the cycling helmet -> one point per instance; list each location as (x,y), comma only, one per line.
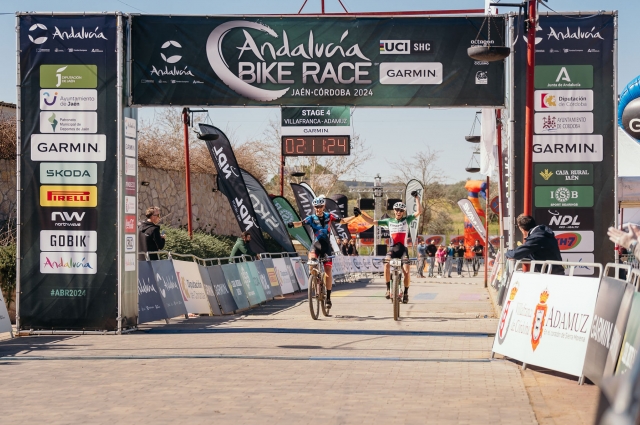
(399,206)
(318,202)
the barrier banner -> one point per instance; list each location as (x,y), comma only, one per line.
(619,331)
(276,289)
(227,302)
(283,275)
(150,306)
(292,274)
(68,281)
(301,274)
(302,61)
(167,283)
(248,284)
(208,289)
(378,264)
(193,294)
(631,342)
(262,278)
(603,339)
(255,280)
(288,214)
(231,183)
(546,320)
(235,286)
(5,322)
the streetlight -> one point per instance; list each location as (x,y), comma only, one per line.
(377,194)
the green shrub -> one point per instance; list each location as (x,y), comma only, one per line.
(8,270)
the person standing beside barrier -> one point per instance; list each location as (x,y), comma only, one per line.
(149,237)
(478,251)
(422,256)
(540,244)
(459,257)
(448,265)
(441,256)
(241,246)
(431,256)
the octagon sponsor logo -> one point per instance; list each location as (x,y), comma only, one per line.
(575,241)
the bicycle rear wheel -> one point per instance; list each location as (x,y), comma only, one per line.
(396,296)
(314,300)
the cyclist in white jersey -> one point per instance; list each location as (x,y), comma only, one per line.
(398,231)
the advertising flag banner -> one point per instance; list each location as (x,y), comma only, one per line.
(150,306)
(343,204)
(488,146)
(288,215)
(543,316)
(412,207)
(341,230)
(470,212)
(234,283)
(190,282)
(68,109)
(233,185)
(302,61)
(303,198)
(219,283)
(282,271)
(248,284)
(272,276)
(208,289)
(167,282)
(603,338)
(260,283)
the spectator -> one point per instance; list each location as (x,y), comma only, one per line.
(422,257)
(242,246)
(478,250)
(448,265)
(344,248)
(539,244)
(431,256)
(441,256)
(352,250)
(459,257)
(339,243)
(149,237)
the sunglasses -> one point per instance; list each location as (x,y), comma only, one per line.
(398,210)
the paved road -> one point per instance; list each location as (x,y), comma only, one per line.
(275,365)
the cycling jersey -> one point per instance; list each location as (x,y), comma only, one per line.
(320,224)
(398,229)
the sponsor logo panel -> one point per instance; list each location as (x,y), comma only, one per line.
(563,122)
(130,147)
(130,205)
(69,76)
(68,173)
(557,148)
(70,219)
(563,174)
(68,122)
(68,262)
(130,186)
(129,166)
(423,73)
(68,196)
(130,225)
(563,100)
(68,100)
(129,243)
(564,77)
(576,241)
(405,47)
(561,196)
(129,262)
(130,127)
(566,218)
(68,240)
(72,147)
(582,257)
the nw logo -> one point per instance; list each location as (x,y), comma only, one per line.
(546,174)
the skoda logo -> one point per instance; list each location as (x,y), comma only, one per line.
(38,40)
(171,59)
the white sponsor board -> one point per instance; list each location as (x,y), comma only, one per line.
(575,241)
(563,122)
(5,322)
(130,205)
(68,172)
(68,100)
(298,269)
(546,320)
(68,147)
(563,100)
(130,243)
(283,275)
(191,286)
(316,131)
(68,263)
(69,240)
(68,122)
(129,166)
(129,262)
(130,147)
(558,148)
(579,258)
(130,127)
(424,73)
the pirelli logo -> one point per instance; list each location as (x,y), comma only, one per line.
(68,196)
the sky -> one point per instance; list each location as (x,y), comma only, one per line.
(383,129)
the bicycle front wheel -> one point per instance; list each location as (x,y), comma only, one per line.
(396,297)
(314,300)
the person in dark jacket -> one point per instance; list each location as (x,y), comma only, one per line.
(539,244)
(242,246)
(431,256)
(149,237)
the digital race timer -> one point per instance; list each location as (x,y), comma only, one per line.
(316,145)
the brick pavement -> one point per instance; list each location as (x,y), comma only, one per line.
(431,367)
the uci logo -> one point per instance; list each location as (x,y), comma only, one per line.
(38,40)
(395,47)
(171,59)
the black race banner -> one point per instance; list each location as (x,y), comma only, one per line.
(340,230)
(219,283)
(303,199)
(208,289)
(234,283)
(232,184)
(150,305)
(343,203)
(68,173)
(574,126)
(167,283)
(603,338)
(240,61)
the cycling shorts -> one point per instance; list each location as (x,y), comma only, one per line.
(398,250)
(323,247)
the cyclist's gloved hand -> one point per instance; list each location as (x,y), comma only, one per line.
(356,211)
(290,225)
(414,193)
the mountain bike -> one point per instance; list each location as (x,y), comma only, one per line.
(317,292)
(396,287)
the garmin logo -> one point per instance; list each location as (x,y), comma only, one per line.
(72,148)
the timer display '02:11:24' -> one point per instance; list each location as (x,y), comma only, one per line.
(315,145)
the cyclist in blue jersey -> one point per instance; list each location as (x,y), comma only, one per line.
(319,223)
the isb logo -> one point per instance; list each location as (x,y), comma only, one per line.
(405,47)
